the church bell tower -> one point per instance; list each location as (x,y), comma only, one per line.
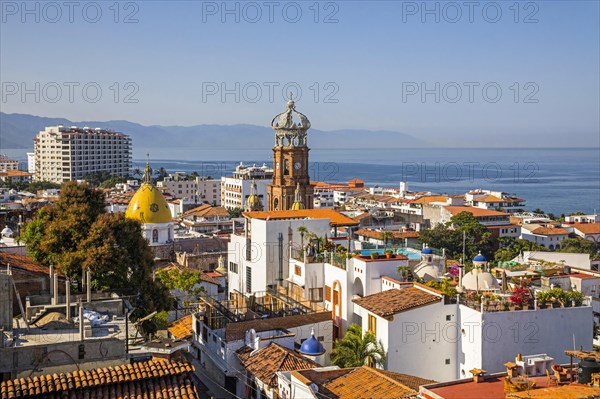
(290,161)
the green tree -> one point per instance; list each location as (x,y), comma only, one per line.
(356,349)
(450,236)
(41,185)
(578,245)
(235,212)
(386,235)
(112,181)
(77,232)
(510,248)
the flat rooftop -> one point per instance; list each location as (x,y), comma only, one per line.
(491,388)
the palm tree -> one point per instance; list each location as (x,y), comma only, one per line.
(385,236)
(136,172)
(356,349)
(302,230)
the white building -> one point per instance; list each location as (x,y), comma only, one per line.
(547,236)
(235,189)
(254,254)
(221,331)
(194,190)
(71,153)
(488,199)
(426,336)
(31,162)
(8,164)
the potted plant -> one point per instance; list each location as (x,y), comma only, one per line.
(389,254)
(374,255)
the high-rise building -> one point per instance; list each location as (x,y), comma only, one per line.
(291,188)
(71,153)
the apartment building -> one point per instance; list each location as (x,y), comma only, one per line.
(199,189)
(235,189)
(71,153)
(8,164)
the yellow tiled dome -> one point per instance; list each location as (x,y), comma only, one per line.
(148,205)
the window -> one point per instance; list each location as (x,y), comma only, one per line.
(447,361)
(448,317)
(154,235)
(248,279)
(298,270)
(372,324)
(233,267)
(328,293)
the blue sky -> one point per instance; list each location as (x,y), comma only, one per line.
(373,57)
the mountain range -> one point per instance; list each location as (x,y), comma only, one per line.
(19,130)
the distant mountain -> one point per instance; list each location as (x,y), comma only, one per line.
(18,131)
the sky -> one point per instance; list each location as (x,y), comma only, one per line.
(453,73)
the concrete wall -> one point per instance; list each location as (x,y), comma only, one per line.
(549,331)
(18,359)
(419,341)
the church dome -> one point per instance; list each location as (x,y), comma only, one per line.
(427,251)
(148,205)
(427,272)
(298,204)
(312,347)
(480,280)
(285,120)
(479,258)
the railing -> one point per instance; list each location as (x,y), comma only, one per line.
(505,304)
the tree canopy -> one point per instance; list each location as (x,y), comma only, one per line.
(77,233)
(450,236)
(578,245)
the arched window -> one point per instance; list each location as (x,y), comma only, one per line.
(154,235)
(286,167)
(276,204)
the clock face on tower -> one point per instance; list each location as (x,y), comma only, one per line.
(297,165)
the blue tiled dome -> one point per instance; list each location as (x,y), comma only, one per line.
(479,258)
(427,251)
(312,347)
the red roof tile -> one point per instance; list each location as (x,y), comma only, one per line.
(266,362)
(390,302)
(153,378)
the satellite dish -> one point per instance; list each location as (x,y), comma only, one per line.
(314,387)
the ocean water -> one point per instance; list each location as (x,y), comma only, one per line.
(557,180)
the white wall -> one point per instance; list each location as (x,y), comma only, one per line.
(418,341)
(548,331)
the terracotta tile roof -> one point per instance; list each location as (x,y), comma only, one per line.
(550,231)
(587,228)
(410,381)
(181,328)
(207,278)
(335,217)
(235,331)
(14,172)
(362,216)
(206,210)
(477,212)
(266,362)
(429,199)
(22,262)
(152,379)
(377,234)
(573,391)
(388,303)
(367,383)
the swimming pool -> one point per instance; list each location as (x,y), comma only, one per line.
(412,254)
